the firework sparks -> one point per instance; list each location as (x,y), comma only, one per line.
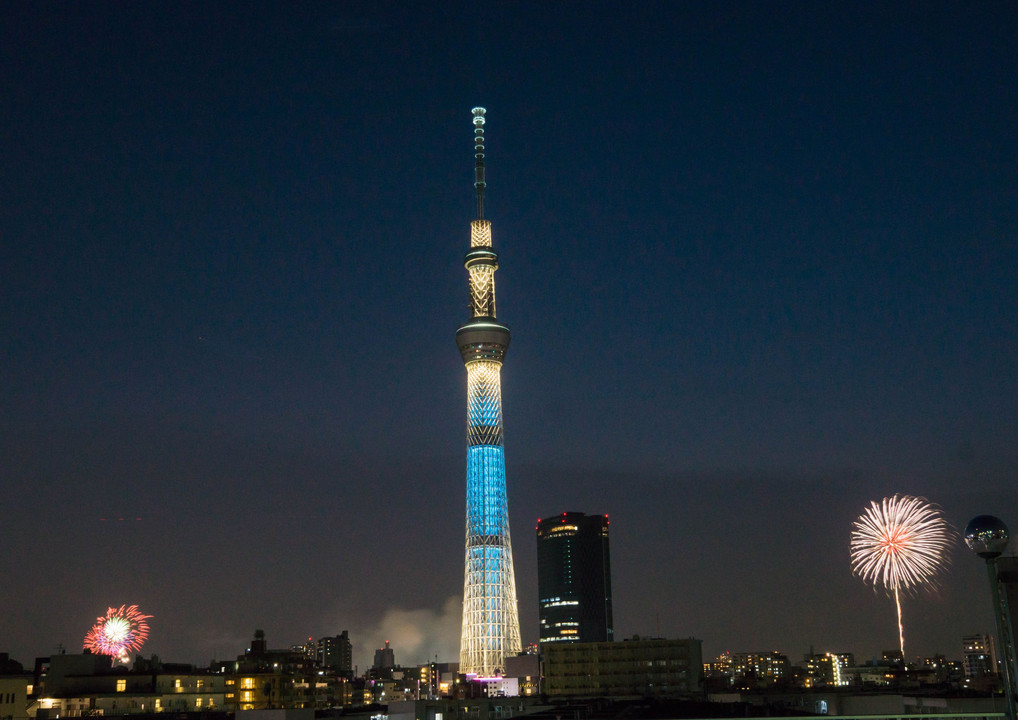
(900,544)
(120,632)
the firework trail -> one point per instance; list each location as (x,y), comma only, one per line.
(120,632)
(900,544)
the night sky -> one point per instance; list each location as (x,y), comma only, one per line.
(759,262)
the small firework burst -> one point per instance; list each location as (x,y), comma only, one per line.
(120,632)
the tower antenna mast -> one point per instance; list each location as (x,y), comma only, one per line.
(479,159)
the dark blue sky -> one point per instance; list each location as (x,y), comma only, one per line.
(759,261)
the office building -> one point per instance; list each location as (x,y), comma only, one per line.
(385,658)
(574,579)
(647,667)
(336,654)
(980,656)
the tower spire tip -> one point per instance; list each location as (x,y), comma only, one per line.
(479,113)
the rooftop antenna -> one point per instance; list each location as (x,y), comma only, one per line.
(479,157)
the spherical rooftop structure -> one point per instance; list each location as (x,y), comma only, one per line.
(986,536)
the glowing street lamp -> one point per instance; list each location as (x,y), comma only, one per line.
(987,537)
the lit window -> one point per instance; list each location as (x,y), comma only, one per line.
(121,685)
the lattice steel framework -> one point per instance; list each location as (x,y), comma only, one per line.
(491,625)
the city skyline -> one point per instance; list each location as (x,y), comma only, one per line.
(763,272)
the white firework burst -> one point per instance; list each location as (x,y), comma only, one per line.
(900,544)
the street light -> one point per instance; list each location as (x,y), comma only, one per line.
(987,537)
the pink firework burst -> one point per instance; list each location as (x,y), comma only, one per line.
(121,631)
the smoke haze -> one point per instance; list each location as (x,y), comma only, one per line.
(416,636)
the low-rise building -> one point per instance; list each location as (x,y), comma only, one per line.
(86,684)
(637,667)
(14,692)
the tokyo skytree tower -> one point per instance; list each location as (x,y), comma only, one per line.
(491,624)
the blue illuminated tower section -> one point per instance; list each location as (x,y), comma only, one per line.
(491,624)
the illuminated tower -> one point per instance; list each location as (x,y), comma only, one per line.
(491,624)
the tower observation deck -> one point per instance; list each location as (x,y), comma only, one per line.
(491,625)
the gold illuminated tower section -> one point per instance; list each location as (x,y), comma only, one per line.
(491,624)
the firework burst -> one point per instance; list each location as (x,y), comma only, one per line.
(900,544)
(120,632)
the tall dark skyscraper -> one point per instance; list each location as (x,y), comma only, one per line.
(574,583)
